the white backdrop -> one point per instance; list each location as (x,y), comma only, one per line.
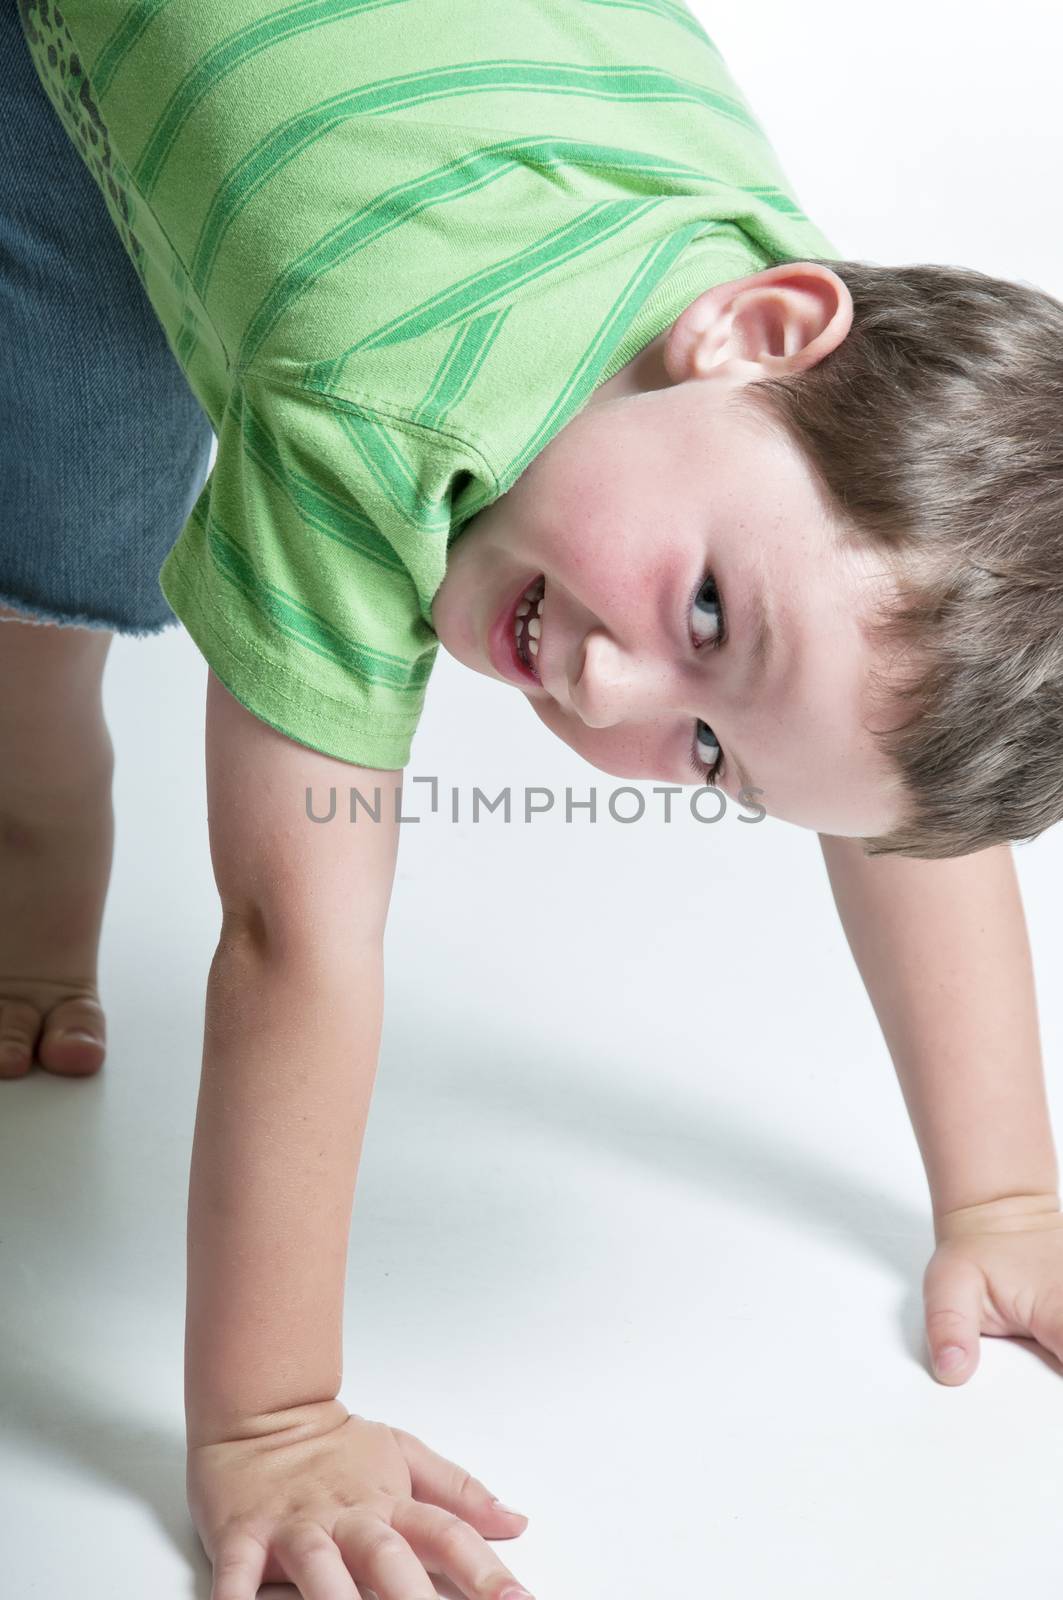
(640,1223)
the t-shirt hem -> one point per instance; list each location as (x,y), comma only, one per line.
(243,666)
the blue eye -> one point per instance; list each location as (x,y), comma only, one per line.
(708,752)
(706,761)
(708,599)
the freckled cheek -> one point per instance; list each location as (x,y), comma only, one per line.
(579,523)
(611,563)
(607,565)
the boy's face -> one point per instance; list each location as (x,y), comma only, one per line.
(662,516)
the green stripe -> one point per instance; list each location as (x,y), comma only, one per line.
(387,212)
(392,473)
(512,273)
(356,233)
(262,34)
(633,84)
(298,133)
(777,200)
(667,10)
(468,352)
(339,519)
(122,40)
(584,377)
(308,627)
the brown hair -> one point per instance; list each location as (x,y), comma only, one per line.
(936,429)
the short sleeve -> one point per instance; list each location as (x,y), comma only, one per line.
(306,570)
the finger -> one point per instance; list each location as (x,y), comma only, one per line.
(238,1568)
(447,1544)
(1046,1321)
(311,1560)
(953,1291)
(442,1482)
(380,1557)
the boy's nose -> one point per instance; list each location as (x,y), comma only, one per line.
(621,685)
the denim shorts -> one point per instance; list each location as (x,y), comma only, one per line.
(103,446)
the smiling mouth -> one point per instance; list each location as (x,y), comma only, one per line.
(527,623)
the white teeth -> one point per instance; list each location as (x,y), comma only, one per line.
(529,626)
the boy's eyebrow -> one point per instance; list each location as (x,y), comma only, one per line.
(761,654)
(762,646)
(745,781)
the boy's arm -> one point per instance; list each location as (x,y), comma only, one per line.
(284,1484)
(943,951)
(293,1016)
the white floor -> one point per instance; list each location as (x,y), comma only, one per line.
(640,1224)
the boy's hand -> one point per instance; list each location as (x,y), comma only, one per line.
(326,1500)
(997,1269)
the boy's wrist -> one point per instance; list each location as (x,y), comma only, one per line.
(309,1418)
(1003,1214)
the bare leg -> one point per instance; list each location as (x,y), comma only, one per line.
(56,844)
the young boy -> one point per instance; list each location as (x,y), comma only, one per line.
(513,337)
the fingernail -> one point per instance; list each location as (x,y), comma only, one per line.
(509,1513)
(76,1033)
(950,1358)
(515,1594)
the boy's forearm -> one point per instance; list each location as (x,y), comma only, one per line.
(290,1053)
(943,950)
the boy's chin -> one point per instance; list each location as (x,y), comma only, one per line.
(465,658)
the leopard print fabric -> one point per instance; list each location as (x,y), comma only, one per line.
(60,69)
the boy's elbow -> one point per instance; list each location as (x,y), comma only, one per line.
(296,933)
(291,906)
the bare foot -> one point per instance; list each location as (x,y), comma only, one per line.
(55,863)
(56,842)
(58,1024)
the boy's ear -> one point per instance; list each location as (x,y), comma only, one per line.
(781,320)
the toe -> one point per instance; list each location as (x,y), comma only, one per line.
(73,1041)
(20,1024)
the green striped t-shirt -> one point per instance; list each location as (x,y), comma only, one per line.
(395,246)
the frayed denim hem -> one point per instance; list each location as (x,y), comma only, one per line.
(80,619)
